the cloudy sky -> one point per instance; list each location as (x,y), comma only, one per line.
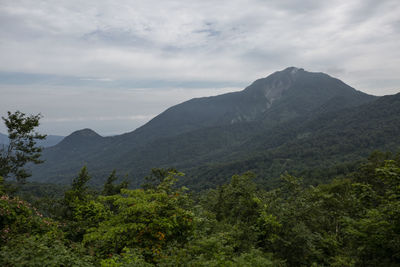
(111,65)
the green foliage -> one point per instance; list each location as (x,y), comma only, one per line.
(236,207)
(109,188)
(81,209)
(2,191)
(236,201)
(350,221)
(147,219)
(35,250)
(76,195)
(156,177)
(45,197)
(19,217)
(22,147)
(129,257)
(216,251)
(375,236)
(79,185)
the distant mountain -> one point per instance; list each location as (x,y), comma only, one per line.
(80,138)
(203,132)
(51,140)
(3,139)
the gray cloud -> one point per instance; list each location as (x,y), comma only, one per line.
(159,46)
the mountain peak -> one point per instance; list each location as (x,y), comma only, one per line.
(85,133)
(277,83)
(273,86)
(81,137)
(292,70)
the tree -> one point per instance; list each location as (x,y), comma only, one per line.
(110,188)
(79,184)
(79,192)
(22,147)
(80,209)
(149,221)
(156,177)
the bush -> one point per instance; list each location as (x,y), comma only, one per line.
(25,250)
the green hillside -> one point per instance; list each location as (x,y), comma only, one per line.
(331,143)
(212,132)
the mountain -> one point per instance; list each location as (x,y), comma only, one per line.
(326,145)
(281,96)
(206,131)
(3,139)
(51,140)
(79,138)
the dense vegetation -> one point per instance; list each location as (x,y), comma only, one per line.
(351,221)
(319,148)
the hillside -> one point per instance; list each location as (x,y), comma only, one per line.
(281,96)
(330,143)
(207,131)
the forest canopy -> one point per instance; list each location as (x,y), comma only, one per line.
(351,221)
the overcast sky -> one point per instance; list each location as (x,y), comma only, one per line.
(111,65)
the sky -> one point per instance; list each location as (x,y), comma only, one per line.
(112,65)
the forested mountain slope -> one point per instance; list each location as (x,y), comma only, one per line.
(206,131)
(328,144)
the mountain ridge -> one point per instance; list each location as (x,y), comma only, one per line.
(245,105)
(202,129)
